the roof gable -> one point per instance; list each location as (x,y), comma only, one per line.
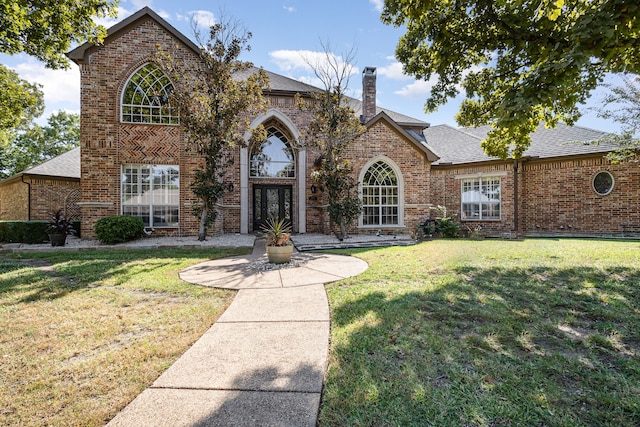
(79,54)
(66,165)
(382,116)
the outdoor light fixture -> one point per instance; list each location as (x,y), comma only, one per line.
(313,188)
(230,187)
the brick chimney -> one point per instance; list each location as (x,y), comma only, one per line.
(368,93)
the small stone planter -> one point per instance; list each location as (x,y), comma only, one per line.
(279,254)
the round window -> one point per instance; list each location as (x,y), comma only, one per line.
(603,183)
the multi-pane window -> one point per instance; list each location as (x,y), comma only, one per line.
(380,200)
(146,96)
(151,192)
(481,198)
(273,158)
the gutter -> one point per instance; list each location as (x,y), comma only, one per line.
(28,198)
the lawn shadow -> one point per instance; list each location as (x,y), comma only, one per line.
(494,346)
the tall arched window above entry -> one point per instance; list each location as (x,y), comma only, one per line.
(380,196)
(145,97)
(273,158)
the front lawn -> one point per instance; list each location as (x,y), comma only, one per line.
(487,333)
(83,333)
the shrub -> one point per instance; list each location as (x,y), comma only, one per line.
(445,223)
(31,232)
(119,229)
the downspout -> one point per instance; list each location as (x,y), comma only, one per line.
(28,198)
(515,196)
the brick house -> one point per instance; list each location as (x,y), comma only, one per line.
(31,194)
(134,159)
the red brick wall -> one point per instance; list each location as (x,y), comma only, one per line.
(446,190)
(47,195)
(558,197)
(14,201)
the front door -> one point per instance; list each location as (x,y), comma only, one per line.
(271,201)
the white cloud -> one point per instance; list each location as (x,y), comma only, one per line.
(289,9)
(110,22)
(417,89)
(393,71)
(308,60)
(139,4)
(58,86)
(203,18)
(377,4)
(164,14)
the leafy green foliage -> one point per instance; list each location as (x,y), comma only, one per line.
(277,232)
(519,62)
(118,229)
(46,29)
(20,102)
(333,128)
(36,144)
(216,104)
(31,232)
(622,104)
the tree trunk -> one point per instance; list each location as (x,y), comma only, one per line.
(202,229)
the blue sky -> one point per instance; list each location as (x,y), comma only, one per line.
(284,31)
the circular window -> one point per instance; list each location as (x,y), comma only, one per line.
(603,183)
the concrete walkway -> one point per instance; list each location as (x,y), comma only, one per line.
(263,362)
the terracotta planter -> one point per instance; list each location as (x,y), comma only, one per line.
(279,254)
(58,239)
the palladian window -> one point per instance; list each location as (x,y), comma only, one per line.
(273,158)
(145,97)
(380,200)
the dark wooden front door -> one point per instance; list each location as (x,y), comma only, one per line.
(271,201)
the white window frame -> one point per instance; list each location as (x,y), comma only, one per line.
(155,113)
(481,182)
(400,194)
(149,196)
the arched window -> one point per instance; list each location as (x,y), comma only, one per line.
(273,158)
(380,196)
(145,97)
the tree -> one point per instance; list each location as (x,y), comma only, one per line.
(36,144)
(520,62)
(216,99)
(20,102)
(333,128)
(622,104)
(46,29)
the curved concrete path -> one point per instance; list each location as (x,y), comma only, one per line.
(263,362)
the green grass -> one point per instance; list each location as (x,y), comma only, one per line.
(487,333)
(80,341)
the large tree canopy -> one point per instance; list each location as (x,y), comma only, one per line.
(20,102)
(46,29)
(36,144)
(520,62)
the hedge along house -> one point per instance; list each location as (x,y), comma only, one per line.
(33,193)
(134,159)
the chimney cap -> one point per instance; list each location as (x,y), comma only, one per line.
(369,70)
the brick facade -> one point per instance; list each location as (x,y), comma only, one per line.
(552,196)
(32,198)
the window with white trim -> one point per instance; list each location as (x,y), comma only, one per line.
(145,98)
(151,192)
(380,196)
(480,198)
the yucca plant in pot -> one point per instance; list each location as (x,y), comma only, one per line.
(59,227)
(279,246)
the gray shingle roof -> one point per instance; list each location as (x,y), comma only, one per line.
(66,165)
(462,145)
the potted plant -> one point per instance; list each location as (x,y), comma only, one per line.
(279,246)
(59,227)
